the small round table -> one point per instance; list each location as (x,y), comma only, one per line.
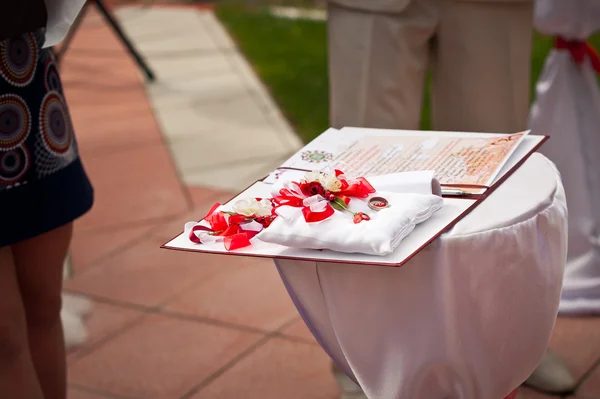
(469,317)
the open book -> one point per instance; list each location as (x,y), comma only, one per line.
(464,163)
(470,166)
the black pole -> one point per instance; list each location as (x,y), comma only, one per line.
(116,28)
(132,50)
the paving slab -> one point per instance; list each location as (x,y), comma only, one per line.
(247,292)
(275,371)
(160,358)
(212,108)
(232,176)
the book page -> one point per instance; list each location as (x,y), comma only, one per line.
(459,159)
(456,160)
(320,152)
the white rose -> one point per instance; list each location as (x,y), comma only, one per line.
(313,176)
(253,207)
(331,183)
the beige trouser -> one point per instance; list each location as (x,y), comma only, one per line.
(478,52)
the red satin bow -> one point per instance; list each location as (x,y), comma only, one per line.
(313,217)
(234,237)
(579,50)
(359,187)
(286,198)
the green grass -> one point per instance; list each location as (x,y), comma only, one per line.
(291,59)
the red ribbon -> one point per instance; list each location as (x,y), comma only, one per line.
(212,210)
(313,217)
(359,188)
(239,240)
(344,198)
(234,237)
(579,50)
(288,199)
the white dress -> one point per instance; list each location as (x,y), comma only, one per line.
(61,15)
(567,108)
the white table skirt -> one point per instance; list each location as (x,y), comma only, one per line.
(469,317)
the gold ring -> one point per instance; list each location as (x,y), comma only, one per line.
(378,203)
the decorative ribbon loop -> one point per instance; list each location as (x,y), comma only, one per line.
(314,217)
(318,195)
(359,188)
(314,208)
(579,50)
(234,230)
(315,193)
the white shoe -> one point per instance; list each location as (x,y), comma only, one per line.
(74,309)
(552,376)
(76,304)
(348,387)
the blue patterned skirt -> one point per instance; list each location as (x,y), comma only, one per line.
(43,184)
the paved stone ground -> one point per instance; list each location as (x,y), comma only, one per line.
(168,325)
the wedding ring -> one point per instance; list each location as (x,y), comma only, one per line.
(378,203)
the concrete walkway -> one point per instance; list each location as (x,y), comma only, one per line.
(217,118)
(169,325)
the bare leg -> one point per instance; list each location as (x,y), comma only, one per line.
(17,374)
(39,263)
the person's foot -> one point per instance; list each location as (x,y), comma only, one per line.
(551,376)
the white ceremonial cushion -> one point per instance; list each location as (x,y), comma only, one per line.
(379,236)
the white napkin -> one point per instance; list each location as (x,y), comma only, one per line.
(379,236)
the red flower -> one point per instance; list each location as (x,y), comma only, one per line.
(237,219)
(359,217)
(266,221)
(312,188)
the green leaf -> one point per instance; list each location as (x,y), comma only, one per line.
(339,204)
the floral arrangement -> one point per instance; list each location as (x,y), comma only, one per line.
(319,194)
(236,228)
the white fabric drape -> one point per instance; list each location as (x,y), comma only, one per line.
(567,108)
(469,317)
(61,15)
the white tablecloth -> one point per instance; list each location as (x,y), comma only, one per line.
(469,317)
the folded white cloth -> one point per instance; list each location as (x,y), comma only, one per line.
(379,236)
